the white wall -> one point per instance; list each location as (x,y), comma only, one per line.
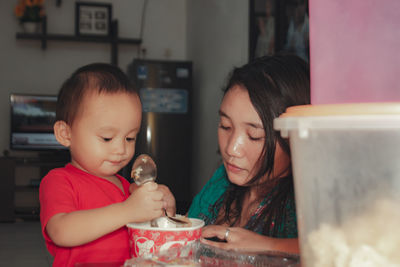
(26,68)
(217,41)
(211,33)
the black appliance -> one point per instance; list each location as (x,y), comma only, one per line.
(32,119)
(166,130)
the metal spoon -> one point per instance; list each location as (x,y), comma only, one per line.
(144,170)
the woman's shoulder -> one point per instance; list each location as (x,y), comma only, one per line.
(219,178)
(216,185)
(210,193)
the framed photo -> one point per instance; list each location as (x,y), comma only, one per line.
(279,26)
(92,19)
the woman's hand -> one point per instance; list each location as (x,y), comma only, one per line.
(242,239)
(232,238)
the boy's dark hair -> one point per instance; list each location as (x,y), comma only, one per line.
(96,77)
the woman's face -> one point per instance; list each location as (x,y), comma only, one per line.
(240,135)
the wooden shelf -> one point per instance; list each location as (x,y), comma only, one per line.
(112,39)
(19,195)
(27,213)
(40,162)
(73,38)
(26,188)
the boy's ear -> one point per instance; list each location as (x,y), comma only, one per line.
(62,132)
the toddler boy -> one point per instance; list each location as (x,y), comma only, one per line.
(86,204)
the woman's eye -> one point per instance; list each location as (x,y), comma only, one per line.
(106,139)
(256,138)
(130,139)
(224,127)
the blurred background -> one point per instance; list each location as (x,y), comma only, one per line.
(211,35)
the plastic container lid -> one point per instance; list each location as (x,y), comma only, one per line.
(339,116)
(342,109)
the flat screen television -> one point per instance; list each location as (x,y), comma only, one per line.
(32,119)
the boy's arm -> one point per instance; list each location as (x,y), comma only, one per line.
(83,226)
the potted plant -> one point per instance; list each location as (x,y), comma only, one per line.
(30,14)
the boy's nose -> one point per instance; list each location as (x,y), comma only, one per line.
(119,147)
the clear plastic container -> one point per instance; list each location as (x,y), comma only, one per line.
(346,167)
(199,254)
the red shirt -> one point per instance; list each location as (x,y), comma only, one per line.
(70,189)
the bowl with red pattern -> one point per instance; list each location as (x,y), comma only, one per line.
(145,239)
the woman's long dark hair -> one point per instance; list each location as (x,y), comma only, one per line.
(274,83)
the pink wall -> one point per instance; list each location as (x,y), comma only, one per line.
(354,51)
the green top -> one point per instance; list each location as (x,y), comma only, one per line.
(203,207)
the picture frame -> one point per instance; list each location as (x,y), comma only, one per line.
(278,26)
(93,19)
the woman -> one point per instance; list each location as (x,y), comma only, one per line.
(249,201)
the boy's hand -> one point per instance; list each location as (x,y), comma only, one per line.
(169,200)
(145,203)
(133,187)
